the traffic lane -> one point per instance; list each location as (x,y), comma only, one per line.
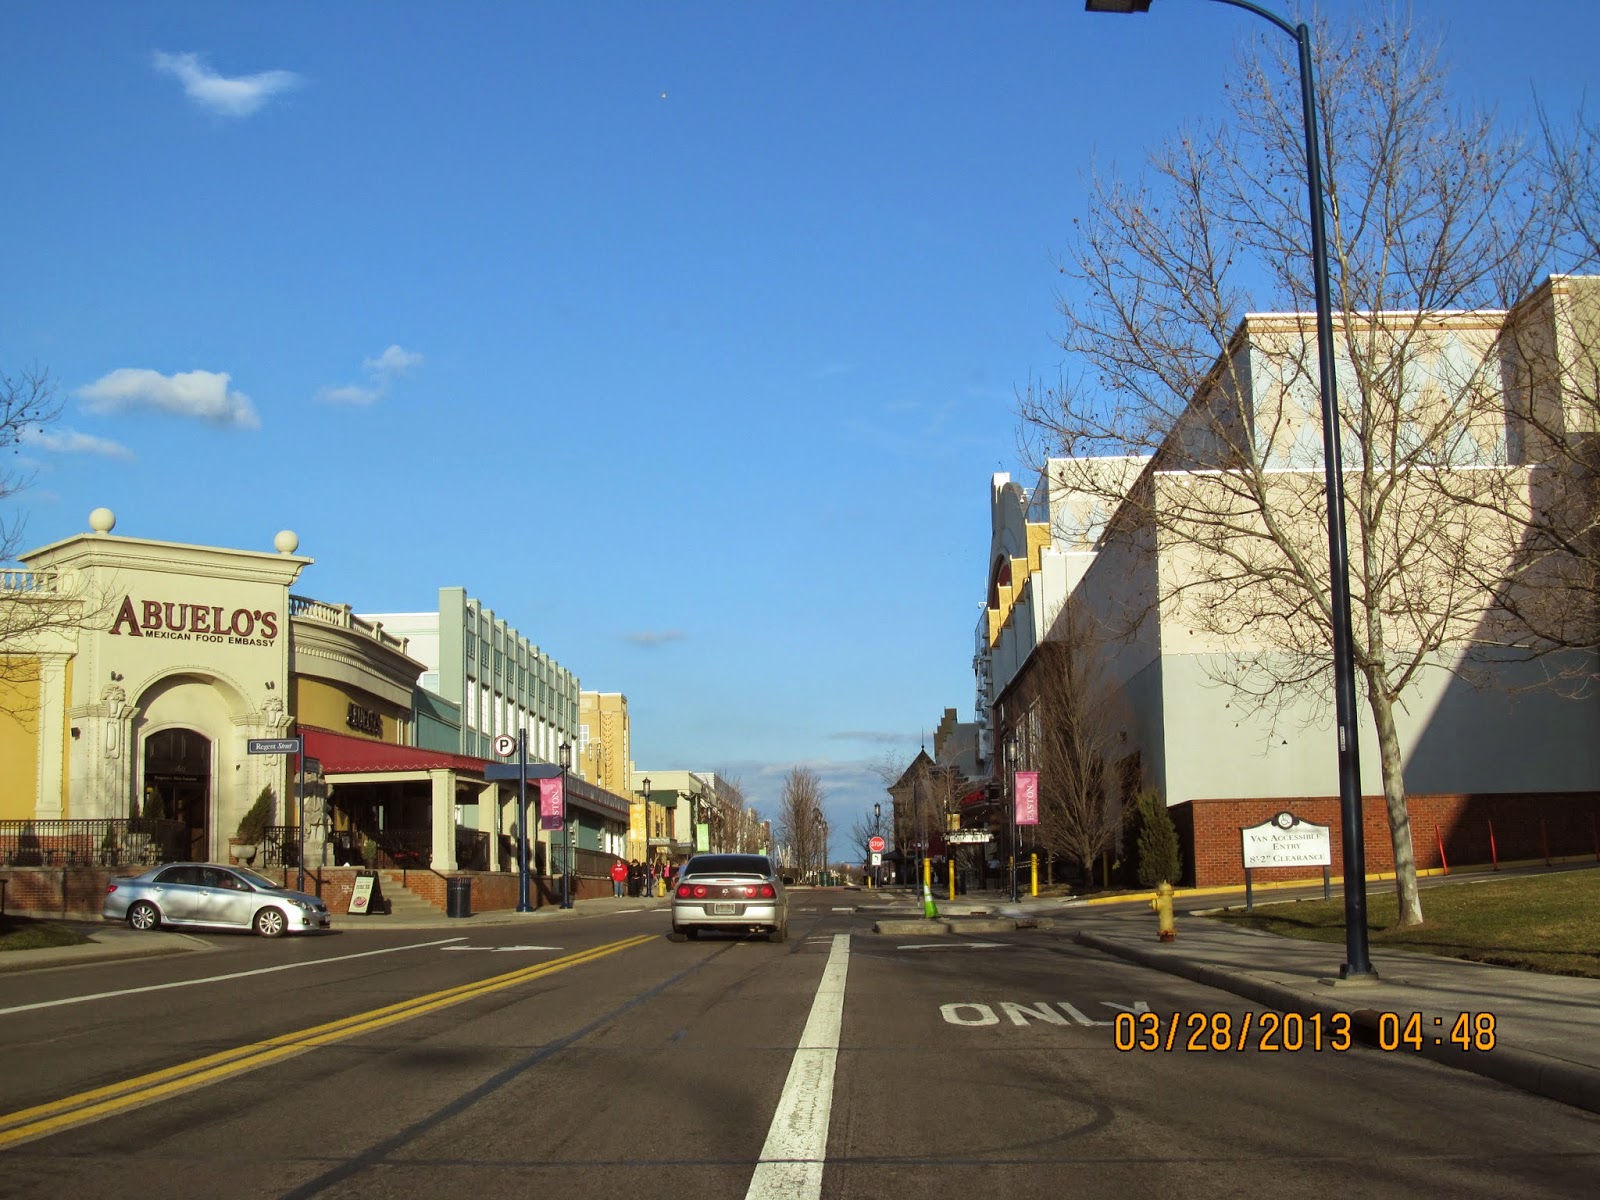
(971,1067)
(143,1015)
(667,1056)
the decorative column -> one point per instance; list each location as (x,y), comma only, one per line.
(489,820)
(444,819)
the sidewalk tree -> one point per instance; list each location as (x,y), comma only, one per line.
(1431,208)
(800,817)
(1159,859)
(1075,740)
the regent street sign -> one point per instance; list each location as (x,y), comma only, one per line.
(196,622)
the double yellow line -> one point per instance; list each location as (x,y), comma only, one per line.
(44,1119)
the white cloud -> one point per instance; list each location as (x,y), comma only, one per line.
(203,395)
(394,361)
(381,372)
(69,441)
(238,97)
(352,393)
(649,639)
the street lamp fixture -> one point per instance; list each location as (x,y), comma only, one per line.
(567,858)
(1357,962)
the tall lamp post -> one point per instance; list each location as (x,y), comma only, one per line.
(1011,785)
(877,831)
(571,823)
(646,782)
(1357,962)
(524,905)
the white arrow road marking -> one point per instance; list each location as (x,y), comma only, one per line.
(159,987)
(956,946)
(846,908)
(797,1141)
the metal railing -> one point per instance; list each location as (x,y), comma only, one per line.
(95,842)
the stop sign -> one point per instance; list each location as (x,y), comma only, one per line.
(875,845)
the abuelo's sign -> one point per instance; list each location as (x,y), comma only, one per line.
(196,622)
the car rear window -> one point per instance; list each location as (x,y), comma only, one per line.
(728,864)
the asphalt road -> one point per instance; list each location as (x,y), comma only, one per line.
(601,1059)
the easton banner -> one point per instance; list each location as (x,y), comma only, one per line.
(552,804)
(1027,794)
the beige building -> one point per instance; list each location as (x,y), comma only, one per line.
(604,758)
(1199,651)
(167,661)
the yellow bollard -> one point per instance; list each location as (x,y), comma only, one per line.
(1035,859)
(1162,903)
(929,908)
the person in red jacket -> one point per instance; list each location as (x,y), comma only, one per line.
(619,878)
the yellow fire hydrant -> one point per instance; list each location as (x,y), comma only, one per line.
(1162,903)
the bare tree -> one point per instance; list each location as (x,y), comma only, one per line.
(800,818)
(1074,721)
(1431,210)
(732,806)
(34,605)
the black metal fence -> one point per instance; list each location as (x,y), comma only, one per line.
(97,842)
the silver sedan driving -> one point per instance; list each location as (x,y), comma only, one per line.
(738,892)
(208,895)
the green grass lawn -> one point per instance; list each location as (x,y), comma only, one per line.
(24,933)
(1548,923)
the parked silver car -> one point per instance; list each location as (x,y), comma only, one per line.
(738,892)
(212,896)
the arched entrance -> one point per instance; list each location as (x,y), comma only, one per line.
(177,784)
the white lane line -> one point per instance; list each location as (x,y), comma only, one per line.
(797,1141)
(955,946)
(161,987)
(502,949)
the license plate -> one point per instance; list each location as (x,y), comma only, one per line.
(723,910)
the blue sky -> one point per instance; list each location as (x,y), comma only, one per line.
(685,335)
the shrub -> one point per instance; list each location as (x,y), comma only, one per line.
(253,825)
(1159,861)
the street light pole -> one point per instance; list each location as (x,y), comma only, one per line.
(1357,962)
(877,831)
(646,782)
(1011,784)
(523,905)
(570,823)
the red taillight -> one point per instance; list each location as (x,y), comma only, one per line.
(699,891)
(110,887)
(683,891)
(767,892)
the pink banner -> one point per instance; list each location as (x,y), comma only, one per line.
(1027,797)
(552,804)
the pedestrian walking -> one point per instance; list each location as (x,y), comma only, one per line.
(619,878)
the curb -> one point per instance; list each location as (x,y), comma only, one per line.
(1541,1074)
(941,925)
(86,953)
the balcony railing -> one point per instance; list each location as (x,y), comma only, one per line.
(342,617)
(101,842)
(21,579)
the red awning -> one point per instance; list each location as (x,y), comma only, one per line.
(341,754)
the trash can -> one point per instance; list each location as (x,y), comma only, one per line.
(458,897)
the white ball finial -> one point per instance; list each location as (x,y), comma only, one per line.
(102,520)
(286,542)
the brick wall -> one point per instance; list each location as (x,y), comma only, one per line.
(1525,827)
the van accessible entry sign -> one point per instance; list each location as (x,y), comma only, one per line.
(1285,841)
